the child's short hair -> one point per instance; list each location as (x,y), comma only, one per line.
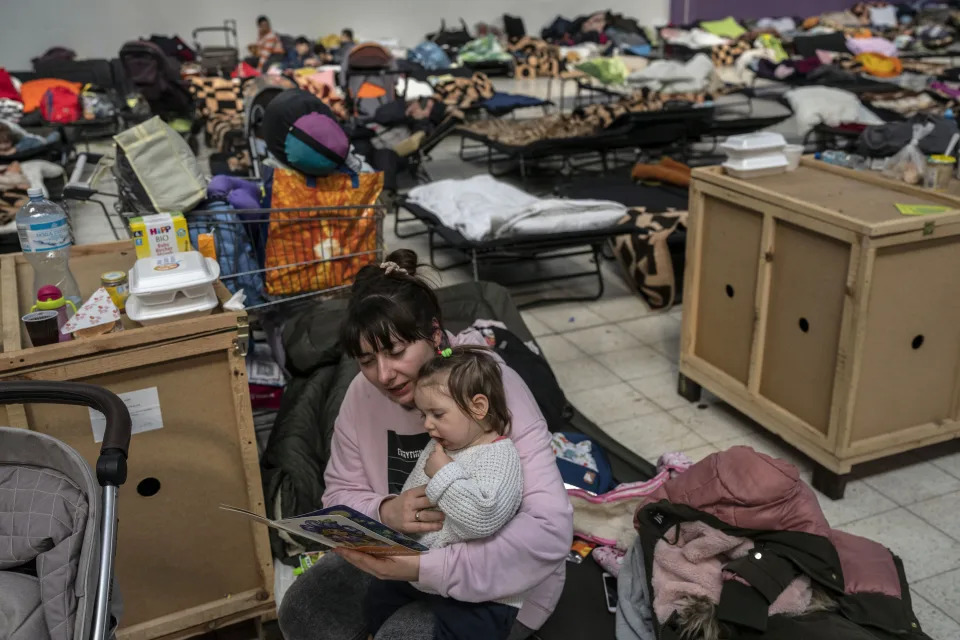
(472,370)
(302,40)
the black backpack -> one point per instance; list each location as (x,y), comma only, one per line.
(514,28)
(174,47)
(451,40)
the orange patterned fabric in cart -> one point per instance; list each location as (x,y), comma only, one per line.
(306,248)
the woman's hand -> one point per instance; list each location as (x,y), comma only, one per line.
(411,512)
(438,460)
(405,568)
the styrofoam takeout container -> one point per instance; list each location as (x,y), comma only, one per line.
(756,166)
(751,144)
(158,280)
(180,308)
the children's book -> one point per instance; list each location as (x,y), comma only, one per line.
(342,526)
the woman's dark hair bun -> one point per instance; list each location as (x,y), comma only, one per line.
(406,259)
(388,305)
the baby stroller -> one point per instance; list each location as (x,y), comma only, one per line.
(257,94)
(56,578)
(157,77)
(369,77)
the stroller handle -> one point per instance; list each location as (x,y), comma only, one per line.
(112,463)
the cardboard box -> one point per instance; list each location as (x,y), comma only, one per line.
(160,234)
(186,568)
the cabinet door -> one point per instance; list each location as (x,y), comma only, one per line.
(729,259)
(807,291)
(908,370)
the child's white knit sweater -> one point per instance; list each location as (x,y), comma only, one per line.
(479,492)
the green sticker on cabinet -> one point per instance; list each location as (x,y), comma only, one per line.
(921,209)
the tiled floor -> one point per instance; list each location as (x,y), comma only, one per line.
(617,363)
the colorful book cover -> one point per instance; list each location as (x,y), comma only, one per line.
(341,526)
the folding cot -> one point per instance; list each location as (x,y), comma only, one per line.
(503,103)
(518,250)
(673,125)
(492,67)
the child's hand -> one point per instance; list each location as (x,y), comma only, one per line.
(438,460)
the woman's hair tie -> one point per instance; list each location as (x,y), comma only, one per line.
(390,267)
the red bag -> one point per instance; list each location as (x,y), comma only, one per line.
(61,105)
(244,70)
(7,88)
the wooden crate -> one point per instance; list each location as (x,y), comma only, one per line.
(816,308)
(183,566)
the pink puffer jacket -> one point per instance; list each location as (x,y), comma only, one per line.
(751,490)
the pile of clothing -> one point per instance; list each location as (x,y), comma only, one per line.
(737,546)
(220,105)
(537,58)
(858,48)
(601,27)
(463,93)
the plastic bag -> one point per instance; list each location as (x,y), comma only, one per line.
(909,164)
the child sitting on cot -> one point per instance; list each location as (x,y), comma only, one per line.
(472,474)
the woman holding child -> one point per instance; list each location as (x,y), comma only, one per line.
(490,502)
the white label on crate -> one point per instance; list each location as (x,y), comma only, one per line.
(44,236)
(265,372)
(144,406)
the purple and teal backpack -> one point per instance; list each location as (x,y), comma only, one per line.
(302,132)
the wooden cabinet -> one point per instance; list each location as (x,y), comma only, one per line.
(183,567)
(819,310)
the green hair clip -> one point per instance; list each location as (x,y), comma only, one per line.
(446,353)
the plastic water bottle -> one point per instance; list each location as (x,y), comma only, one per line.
(45,241)
(838,158)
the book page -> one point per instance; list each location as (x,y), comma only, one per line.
(336,531)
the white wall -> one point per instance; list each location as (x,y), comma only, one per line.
(98,28)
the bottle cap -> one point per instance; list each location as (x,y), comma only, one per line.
(49,292)
(34,192)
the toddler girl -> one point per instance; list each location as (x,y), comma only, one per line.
(472,474)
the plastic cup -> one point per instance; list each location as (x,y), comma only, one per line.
(793,152)
(43,327)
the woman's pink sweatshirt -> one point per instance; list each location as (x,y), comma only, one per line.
(527,556)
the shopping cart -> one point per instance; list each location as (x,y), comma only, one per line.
(281,255)
(34,466)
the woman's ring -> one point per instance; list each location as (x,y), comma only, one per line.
(416,516)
